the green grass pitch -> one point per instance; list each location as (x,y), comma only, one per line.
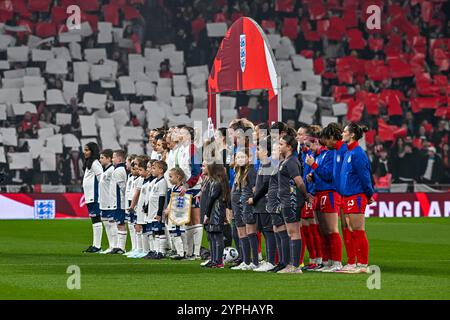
(413,254)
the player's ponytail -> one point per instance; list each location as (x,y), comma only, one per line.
(332,131)
(356,129)
(290,141)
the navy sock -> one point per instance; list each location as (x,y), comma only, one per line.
(285,247)
(253,239)
(296,248)
(213,247)
(270,246)
(245,243)
(218,238)
(234,234)
(280,252)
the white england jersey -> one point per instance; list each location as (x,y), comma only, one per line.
(143,200)
(155,155)
(158,188)
(129,188)
(117,188)
(105,197)
(90,182)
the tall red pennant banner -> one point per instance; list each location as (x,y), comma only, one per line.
(244,62)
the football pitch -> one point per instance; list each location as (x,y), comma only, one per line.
(413,256)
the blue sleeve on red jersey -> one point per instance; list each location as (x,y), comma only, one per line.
(363,170)
(325,169)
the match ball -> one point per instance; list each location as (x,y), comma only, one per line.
(230,254)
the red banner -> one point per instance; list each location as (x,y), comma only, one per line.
(386,205)
(410,205)
(22,205)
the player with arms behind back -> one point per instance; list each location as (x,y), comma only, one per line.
(292,193)
(92,173)
(357,191)
(117,199)
(107,205)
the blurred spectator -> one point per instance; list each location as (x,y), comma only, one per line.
(431,167)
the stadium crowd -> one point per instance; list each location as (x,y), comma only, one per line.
(394,80)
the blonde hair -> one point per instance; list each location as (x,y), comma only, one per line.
(242,172)
(179,172)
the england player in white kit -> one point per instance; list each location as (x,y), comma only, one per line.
(106,200)
(92,173)
(129,192)
(117,192)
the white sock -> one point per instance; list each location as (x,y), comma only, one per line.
(132,236)
(151,242)
(188,240)
(162,243)
(184,241)
(145,243)
(156,243)
(97,229)
(107,226)
(198,236)
(122,239)
(178,243)
(318,260)
(139,241)
(169,244)
(114,231)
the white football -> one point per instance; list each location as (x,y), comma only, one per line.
(230,254)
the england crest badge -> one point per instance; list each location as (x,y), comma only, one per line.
(242,51)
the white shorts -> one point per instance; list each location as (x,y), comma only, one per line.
(141,217)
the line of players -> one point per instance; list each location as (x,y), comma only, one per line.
(298,189)
(317,176)
(115,198)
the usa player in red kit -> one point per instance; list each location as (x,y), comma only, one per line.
(357,192)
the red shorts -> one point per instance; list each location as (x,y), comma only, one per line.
(354,204)
(328,201)
(308,209)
